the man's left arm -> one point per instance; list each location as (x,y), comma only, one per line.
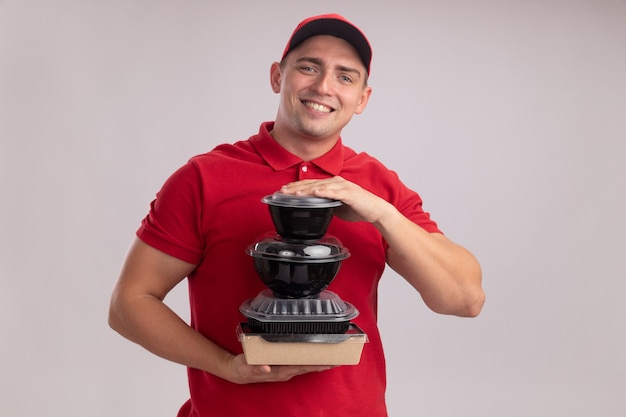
(447,276)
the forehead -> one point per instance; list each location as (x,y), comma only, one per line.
(328,48)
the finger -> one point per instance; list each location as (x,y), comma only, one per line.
(301,183)
(313,182)
(262,369)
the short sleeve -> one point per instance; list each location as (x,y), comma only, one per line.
(173,223)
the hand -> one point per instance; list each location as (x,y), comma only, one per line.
(358,203)
(248,374)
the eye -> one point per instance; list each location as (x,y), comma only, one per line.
(307,68)
(345,79)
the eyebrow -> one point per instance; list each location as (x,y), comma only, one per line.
(320,62)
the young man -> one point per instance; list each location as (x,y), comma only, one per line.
(209,211)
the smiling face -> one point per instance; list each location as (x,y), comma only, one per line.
(322,84)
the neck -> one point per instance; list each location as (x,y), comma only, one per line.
(305,148)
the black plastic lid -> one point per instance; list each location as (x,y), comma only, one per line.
(303,201)
(327,249)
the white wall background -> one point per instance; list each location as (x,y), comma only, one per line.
(509,117)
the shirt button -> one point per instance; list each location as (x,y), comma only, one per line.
(305,168)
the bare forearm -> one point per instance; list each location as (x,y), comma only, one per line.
(447,276)
(150,323)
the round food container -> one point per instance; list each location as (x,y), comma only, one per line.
(300,217)
(297,269)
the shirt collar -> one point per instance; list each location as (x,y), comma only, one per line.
(279,158)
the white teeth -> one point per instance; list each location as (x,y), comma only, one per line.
(318,107)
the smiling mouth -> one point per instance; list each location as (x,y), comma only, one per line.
(318,107)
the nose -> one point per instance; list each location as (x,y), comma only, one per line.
(323,84)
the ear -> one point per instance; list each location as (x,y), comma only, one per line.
(365,96)
(275,77)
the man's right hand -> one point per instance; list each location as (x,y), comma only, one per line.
(249,374)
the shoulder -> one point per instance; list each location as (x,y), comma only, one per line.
(241,150)
(362,163)
(203,169)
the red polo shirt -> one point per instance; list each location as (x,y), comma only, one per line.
(209,211)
